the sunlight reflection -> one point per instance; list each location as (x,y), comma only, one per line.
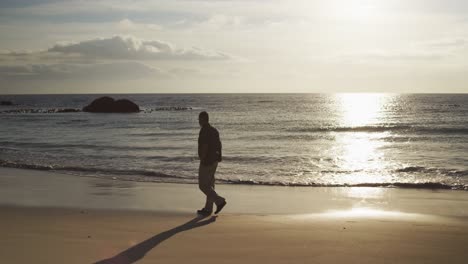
(358,156)
(364,192)
(368,213)
(364,213)
(361,109)
(358,147)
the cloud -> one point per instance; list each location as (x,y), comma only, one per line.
(388,57)
(129,25)
(98,71)
(423,51)
(220,21)
(404,55)
(455,43)
(113,58)
(131,48)
(23,3)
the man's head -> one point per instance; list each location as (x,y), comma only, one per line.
(203,118)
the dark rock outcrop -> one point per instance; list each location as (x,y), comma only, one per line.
(109,105)
(6,103)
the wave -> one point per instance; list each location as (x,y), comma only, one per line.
(410,170)
(370,129)
(285,136)
(167,108)
(45,145)
(41,111)
(151,175)
(350,129)
(446,130)
(419,169)
(261,158)
(72,121)
(423,185)
(76,110)
(162,133)
(88,170)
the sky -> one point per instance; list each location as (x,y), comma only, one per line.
(233,46)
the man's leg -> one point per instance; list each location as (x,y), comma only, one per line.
(206,184)
(218,200)
(209,203)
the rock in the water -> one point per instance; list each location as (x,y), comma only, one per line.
(102,104)
(6,103)
(109,105)
(126,105)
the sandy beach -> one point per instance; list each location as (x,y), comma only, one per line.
(318,131)
(51,218)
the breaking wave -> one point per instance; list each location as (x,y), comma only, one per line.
(89,171)
(371,129)
(150,175)
(424,185)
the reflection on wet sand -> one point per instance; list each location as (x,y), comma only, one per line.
(363,212)
(366,213)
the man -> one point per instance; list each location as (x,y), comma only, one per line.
(209,152)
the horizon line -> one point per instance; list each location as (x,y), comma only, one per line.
(253,93)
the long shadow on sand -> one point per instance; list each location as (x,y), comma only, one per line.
(137,252)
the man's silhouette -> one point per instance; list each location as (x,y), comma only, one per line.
(209,152)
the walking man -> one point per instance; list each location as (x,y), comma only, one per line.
(209,152)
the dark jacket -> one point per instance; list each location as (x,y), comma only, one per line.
(210,136)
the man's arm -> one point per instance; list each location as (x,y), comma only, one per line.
(203,145)
(203,152)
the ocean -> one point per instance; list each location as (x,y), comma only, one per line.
(390,140)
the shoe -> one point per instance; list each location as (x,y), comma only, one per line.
(204,212)
(220,207)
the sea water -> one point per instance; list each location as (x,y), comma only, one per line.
(401,140)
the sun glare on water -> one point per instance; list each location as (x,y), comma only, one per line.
(361,109)
(357,148)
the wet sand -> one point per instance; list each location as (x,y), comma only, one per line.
(49,218)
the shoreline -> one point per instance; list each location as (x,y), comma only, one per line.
(396,185)
(47,189)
